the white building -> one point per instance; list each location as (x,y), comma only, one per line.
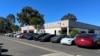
(65,25)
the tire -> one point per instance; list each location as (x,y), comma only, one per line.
(41,40)
(73,42)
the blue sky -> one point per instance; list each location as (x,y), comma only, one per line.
(87,11)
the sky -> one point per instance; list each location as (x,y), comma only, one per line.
(87,11)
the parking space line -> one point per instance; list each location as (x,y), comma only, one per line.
(57,54)
(44,48)
(47,49)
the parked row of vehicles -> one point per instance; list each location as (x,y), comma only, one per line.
(87,40)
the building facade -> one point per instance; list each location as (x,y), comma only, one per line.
(65,26)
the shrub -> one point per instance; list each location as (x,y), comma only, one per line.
(74,31)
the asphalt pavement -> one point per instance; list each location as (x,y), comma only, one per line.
(22,47)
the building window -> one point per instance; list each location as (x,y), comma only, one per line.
(25,31)
(31,31)
(91,31)
(83,31)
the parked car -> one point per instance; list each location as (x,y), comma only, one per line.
(69,40)
(16,34)
(7,34)
(11,34)
(57,38)
(27,34)
(22,35)
(46,37)
(31,37)
(39,36)
(87,40)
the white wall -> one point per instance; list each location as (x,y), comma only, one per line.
(97,32)
(51,30)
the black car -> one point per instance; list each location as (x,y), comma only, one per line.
(28,34)
(31,37)
(57,38)
(46,38)
(39,36)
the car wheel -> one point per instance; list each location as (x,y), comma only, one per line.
(79,46)
(95,45)
(41,40)
(73,43)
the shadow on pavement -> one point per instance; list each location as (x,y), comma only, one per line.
(94,48)
(97,47)
(1,43)
(5,55)
(3,51)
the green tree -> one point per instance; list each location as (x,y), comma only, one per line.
(2,24)
(28,14)
(7,24)
(36,22)
(14,28)
(11,18)
(74,31)
(70,17)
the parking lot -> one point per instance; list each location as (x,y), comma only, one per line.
(22,47)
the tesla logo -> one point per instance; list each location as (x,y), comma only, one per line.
(82,39)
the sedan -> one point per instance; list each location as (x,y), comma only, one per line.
(31,37)
(57,38)
(46,38)
(69,40)
(87,40)
(39,36)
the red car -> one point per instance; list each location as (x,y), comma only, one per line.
(22,35)
(87,40)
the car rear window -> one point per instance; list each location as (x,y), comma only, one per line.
(60,36)
(86,35)
(70,36)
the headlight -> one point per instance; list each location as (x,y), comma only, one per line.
(69,40)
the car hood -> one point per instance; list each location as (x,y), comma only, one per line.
(68,38)
(55,38)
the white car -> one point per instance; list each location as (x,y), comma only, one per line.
(7,34)
(69,40)
(17,36)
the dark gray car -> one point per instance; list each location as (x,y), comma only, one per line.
(57,38)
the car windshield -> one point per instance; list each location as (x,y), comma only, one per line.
(85,35)
(92,35)
(61,36)
(70,36)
